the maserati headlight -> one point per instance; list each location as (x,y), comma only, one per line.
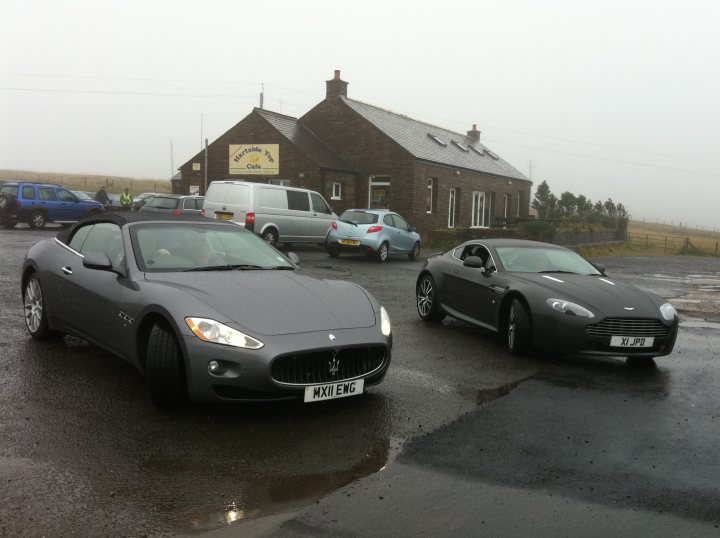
(385,322)
(668,311)
(210,330)
(571,309)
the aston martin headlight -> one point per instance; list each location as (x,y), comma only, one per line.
(210,330)
(385,322)
(571,309)
(668,311)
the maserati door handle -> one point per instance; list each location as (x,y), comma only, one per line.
(67,270)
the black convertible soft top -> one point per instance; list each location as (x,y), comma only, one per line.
(122,218)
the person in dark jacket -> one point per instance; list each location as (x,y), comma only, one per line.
(102,196)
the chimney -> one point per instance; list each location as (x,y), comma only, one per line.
(335,87)
(474,135)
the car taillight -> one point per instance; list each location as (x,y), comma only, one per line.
(250,219)
(177,212)
(374,229)
(334,225)
(202,212)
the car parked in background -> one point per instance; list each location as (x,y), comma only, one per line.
(373,232)
(139,200)
(539,295)
(205,309)
(175,204)
(40,203)
(277,213)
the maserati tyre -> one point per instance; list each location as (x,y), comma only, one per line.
(164,368)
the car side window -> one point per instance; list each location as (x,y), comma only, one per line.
(105,238)
(78,238)
(388,220)
(401,223)
(298,201)
(318,204)
(28,192)
(47,194)
(189,203)
(65,196)
(476,250)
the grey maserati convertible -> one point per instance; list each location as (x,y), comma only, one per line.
(205,310)
(539,295)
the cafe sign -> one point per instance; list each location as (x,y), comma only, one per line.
(255,159)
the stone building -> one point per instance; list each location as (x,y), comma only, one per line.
(359,155)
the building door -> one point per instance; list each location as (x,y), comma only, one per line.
(379,193)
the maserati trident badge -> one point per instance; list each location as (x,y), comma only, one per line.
(334,366)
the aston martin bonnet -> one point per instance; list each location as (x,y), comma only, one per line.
(544,296)
(205,309)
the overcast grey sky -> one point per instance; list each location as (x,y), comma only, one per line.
(612,99)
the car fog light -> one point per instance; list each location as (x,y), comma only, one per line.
(214,367)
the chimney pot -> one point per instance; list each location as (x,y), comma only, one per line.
(474,134)
(335,87)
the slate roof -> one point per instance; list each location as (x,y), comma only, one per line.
(306,141)
(413,135)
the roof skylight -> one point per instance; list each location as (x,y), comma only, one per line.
(436,139)
(459,145)
(476,150)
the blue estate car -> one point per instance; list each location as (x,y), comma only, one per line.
(374,232)
(40,203)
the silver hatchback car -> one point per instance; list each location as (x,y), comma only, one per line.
(378,233)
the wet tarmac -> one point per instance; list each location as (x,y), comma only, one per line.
(462,431)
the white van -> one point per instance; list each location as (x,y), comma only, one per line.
(275,213)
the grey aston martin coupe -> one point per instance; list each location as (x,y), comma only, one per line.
(205,309)
(544,296)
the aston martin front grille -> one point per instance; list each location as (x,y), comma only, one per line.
(327,366)
(628,327)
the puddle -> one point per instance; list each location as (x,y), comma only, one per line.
(279,494)
(488,395)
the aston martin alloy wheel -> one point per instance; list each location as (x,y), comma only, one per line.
(519,329)
(426,303)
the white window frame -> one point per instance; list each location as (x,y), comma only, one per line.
(336,187)
(507,204)
(431,190)
(452,197)
(479,199)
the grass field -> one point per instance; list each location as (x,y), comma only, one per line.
(87,182)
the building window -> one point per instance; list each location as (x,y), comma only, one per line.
(451,209)
(336,191)
(281,182)
(507,201)
(482,209)
(521,202)
(430,200)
